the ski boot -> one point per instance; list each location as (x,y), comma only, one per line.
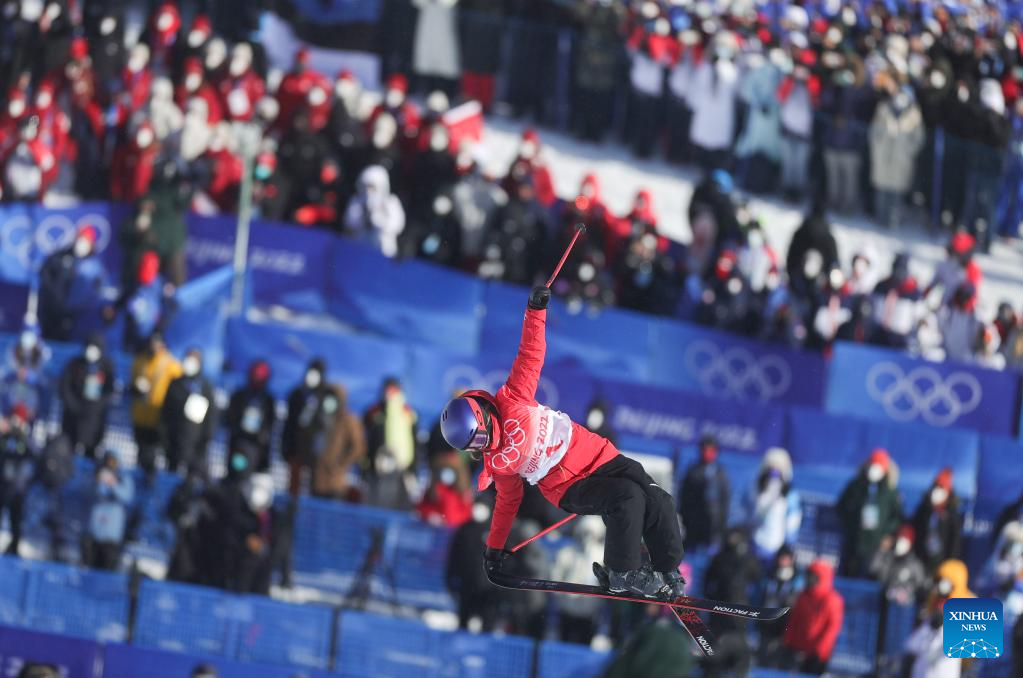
(643,582)
(676,582)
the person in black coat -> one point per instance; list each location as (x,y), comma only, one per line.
(189,414)
(86,391)
(465,575)
(248,523)
(812,253)
(938,524)
(187,507)
(731,575)
(311,405)
(17,469)
(704,497)
(252,414)
(513,244)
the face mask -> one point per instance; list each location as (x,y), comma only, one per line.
(939,495)
(27,341)
(262,172)
(594,420)
(313,378)
(813,264)
(195,38)
(238,66)
(137,62)
(164,22)
(902,546)
(438,140)
(587,272)
(44,99)
(144,221)
(92,353)
(192,81)
(107,25)
(82,247)
(785,573)
(239,462)
(317,96)
(345,89)
(448,476)
(16,108)
(144,137)
(394,98)
(944,587)
(480,513)
(875,472)
(190,366)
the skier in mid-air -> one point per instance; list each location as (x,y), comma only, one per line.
(576,470)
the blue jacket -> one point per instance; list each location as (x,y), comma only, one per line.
(109,515)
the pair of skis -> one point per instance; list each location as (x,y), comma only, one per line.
(685,608)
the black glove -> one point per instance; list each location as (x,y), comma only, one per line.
(539,298)
(493,558)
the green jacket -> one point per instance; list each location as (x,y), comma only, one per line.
(171,200)
(660,648)
(860,541)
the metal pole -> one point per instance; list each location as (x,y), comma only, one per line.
(249,135)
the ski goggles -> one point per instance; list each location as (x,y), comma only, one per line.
(479,439)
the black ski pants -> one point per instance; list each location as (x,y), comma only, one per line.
(634,509)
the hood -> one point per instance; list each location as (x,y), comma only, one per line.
(778,458)
(643,207)
(825,574)
(591,182)
(375,176)
(955,571)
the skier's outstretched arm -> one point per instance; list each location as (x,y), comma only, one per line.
(525,371)
(509,497)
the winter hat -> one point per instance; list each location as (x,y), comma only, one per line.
(962,242)
(944,479)
(398,82)
(192,65)
(346,74)
(20,412)
(302,56)
(880,457)
(259,371)
(202,24)
(79,48)
(149,267)
(906,532)
(88,232)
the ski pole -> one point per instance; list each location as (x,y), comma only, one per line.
(579,228)
(556,525)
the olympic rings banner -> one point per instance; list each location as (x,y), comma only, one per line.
(29,232)
(881,384)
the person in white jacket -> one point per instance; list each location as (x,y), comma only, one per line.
(772,505)
(578,615)
(929,659)
(375,214)
(713,91)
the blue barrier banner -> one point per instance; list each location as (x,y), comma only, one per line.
(201,317)
(999,475)
(74,657)
(611,344)
(409,299)
(888,386)
(13,301)
(726,366)
(128,660)
(358,362)
(683,418)
(434,375)
(339,11)
(30,232)
(288,265)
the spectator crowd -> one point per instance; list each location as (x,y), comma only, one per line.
(905,109)
(178,118)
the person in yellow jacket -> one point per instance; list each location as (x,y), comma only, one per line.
(151,373)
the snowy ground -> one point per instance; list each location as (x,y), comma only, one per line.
(621,176)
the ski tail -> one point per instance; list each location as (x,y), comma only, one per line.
(697,630)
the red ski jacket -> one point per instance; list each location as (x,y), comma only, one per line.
(534,442)
(816,618)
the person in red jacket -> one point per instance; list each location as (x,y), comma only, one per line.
(814,622)
(574,468)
